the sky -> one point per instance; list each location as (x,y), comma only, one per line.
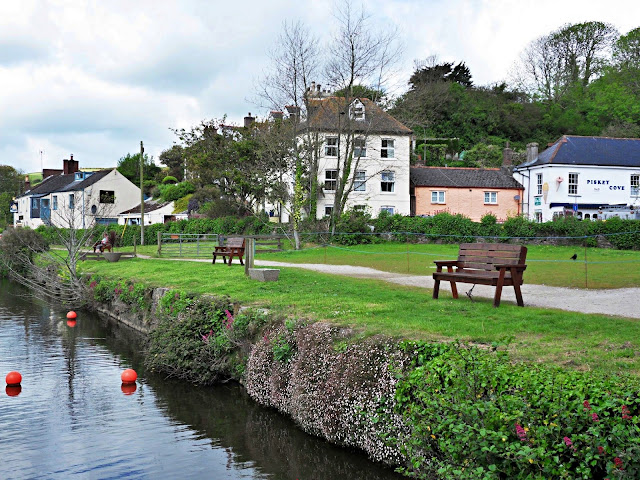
(94,78)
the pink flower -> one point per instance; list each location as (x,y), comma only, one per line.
(600,450)
(586,405)
(594,417)
(522,435)
(568,442)
(618,462)
(229,321)
(625,413)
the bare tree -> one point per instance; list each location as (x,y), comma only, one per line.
(52,273)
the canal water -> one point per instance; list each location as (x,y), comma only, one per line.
(72,419)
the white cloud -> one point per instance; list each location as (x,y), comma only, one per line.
(94,78)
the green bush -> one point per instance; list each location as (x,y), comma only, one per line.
(472,414)
(169,192)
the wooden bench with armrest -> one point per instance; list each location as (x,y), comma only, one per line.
(495,264)
(232,247)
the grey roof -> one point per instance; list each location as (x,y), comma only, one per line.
(65,183)
(149,206)
(324,115)
(598,151)
(462,177)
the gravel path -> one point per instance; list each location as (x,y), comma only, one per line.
(622,302)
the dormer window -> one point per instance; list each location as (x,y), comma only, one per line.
(357,110)
(79,176)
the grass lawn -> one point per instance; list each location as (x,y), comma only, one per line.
(586,342)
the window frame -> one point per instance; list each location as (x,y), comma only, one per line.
(330,147)
(386,149)
(328,210)
(333,179)
(107,195)
(634,187)
(390,181)
(360,184)
(539,183)
(54,202)
(572,186)
(360,151)
(72,201)
(440,197)
(390,209)
(492,198)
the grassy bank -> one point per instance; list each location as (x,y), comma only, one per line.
(584,342)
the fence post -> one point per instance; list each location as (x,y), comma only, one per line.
(159,244)
(249,251)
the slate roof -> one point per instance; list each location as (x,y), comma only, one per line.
(462,177)
(324,115)
(149,206)
(65,183)
(597,151)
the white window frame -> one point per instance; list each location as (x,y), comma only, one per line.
(360,181)
(359,147)
(635,185)
(491,198)
(387,181)
(330,180)
(54,202)
(72,201)
(539,183)
(328,210)
(388,148)
(357,111)
(573,183)
(438,197)
(331,147)
(390,209)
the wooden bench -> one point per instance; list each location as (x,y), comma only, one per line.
(233,247)
(83,256)
(496,264)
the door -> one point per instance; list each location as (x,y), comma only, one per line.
(45,211)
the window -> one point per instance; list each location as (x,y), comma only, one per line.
(55,202)
(330,180)
(387,150)
(357,110)
(328,210)
(635,185)
(387,208)
(359,147)
(359,208)
(360,181)
(490,197)
(573,184)
(388,182)
(437,197)
(539,183)
(331,147)
(72,201)
(107,196)
(538,216)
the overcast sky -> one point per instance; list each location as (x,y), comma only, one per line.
(94,78)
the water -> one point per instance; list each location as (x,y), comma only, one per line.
(72,420)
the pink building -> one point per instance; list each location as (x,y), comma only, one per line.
(472,192)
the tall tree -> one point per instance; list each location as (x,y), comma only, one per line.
(129,166)
(11,182)
(173,158)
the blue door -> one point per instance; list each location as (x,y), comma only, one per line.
(45,211)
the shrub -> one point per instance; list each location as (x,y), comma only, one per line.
(169,179)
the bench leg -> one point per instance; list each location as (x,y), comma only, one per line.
(436,289)
(230,258)
(496,297)
(516,287)
(454,289)
(240,258)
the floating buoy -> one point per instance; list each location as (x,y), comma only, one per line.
(128,388)
(129,376)
(13,390)
(13,379)
(71,315)
(71,323)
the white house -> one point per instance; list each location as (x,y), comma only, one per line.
(154,212)
(590,177)
(379,145)
(76,199)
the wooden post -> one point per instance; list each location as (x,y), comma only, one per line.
(135,244)
(159,243)
(249,253)
(141,194)
(586,276)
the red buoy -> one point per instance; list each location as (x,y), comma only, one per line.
(13,379)
(71,315)
(129,376)
(128,388)
(13,390)
(71,323)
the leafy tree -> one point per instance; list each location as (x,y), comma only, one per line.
(129,166)
(441,72)
(173,158)
(11,181)
(362,91)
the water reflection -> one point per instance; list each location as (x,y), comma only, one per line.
(74,418)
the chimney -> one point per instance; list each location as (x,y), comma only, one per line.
(27,183)
(294,113)
(276,115)
(65,166)
(248,120)
(313,87)
(532,151)
(507,156)
(69,166)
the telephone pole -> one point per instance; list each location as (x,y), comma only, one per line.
(141,195)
